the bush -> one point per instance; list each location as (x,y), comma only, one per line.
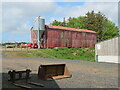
(92,48)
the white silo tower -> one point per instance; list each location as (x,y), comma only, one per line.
(39,26)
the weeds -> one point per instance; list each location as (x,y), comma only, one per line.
(87,54)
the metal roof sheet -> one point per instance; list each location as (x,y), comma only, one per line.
(70,29)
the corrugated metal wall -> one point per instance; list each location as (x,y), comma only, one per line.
(34,36)
(108,51)
(66,38)
(108,47)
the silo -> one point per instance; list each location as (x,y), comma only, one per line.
(38,29)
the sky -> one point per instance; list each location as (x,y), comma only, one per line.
(19,17)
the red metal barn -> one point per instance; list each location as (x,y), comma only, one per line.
(58,36)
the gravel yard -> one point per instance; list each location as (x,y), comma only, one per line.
(85,74)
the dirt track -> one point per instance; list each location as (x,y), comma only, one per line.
(85,74)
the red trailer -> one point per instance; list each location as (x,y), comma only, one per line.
(58,36)
(24,45)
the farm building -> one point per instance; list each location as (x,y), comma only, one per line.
(108,50)
(49,36)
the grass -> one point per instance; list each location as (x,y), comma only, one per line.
(87,54)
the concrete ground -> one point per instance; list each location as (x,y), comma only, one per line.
(85,74)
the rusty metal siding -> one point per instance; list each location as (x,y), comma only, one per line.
(90,40)
(64,38)
(34,36)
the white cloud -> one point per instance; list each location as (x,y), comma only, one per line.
(59,0)
(24,28)
(54,18)
(90,0)
(0,17)
(28,0)
(109,9)
(0,22)
(17,15)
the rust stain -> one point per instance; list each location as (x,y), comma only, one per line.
(56,37)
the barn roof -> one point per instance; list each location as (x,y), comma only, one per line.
(70,29)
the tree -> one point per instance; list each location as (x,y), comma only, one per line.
(92,21)
(109,30)
(99,23)
(76,22)
(57,23)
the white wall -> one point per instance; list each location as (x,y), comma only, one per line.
(108,50)
(110,59)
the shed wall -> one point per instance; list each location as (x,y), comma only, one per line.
(66,38)
(34,36)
